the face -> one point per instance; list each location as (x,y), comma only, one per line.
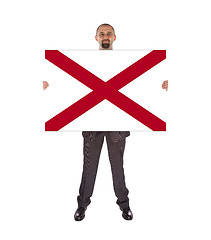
(105,36)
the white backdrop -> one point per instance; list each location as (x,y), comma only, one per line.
(168,174)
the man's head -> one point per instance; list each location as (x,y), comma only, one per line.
(105,35)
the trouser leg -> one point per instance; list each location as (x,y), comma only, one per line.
(116,151)
(91,151)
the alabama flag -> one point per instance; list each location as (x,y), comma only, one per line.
(96,90)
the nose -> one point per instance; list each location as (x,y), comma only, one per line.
(105,36)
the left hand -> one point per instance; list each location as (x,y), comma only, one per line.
(45,85)
(165,85)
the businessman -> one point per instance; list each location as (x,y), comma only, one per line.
(93,142)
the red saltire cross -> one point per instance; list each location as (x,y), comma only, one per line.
(105,90)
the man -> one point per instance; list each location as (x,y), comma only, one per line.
(93,142)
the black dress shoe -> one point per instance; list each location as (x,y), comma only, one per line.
(80,213)
(127,213)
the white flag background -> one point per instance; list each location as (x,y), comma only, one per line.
(145,90)
(167,173)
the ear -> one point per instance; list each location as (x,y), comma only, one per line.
(114,37)
(96,38)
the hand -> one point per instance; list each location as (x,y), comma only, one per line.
(165,85)
(45,85)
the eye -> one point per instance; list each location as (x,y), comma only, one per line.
(101,34)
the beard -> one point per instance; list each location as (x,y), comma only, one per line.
(105,45)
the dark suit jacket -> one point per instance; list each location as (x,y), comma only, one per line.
(115,136)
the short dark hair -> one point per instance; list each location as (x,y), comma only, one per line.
(105,24)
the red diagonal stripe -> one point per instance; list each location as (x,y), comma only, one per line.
(136,111)
(74,111)
(135,70)
(73,69)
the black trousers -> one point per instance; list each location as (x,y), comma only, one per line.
(92,150)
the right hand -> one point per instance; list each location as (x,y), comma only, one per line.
(45,84)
